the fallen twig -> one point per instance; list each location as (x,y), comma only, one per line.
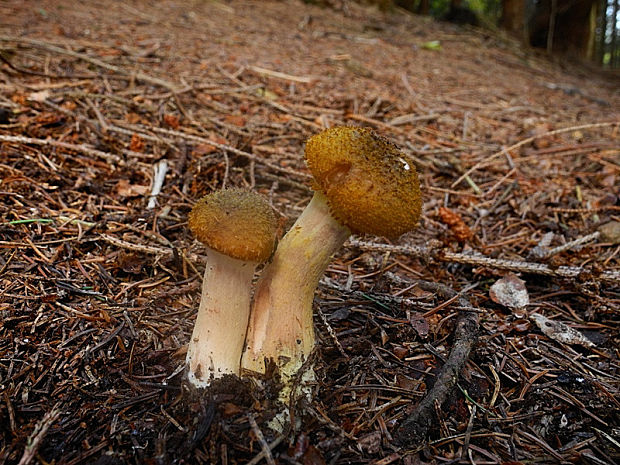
(136,247)
(261,439)
(572,244)
(414,428)
(109,157)
(280,75)
(217,145)
(574,272)
(272,445)
(36,438)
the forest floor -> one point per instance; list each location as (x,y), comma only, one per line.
(511,281)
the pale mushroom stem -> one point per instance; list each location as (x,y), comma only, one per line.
(288,284)
(217,340)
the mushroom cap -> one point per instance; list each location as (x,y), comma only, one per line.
(235,222)
(370,187)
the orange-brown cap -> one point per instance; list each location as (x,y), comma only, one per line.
(370,187)
(235,222)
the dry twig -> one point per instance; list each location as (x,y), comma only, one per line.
(574,272)
(35,439)
(266,450)
(413,430)
(109,157)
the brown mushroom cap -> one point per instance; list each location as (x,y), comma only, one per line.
(235,222)
(370,187)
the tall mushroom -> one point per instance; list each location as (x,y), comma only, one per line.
(238,228)
(363,184)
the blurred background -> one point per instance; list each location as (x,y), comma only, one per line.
(583,29)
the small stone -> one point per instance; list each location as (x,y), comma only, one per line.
(610,232)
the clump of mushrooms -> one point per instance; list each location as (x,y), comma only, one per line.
(363,184)
(238,227)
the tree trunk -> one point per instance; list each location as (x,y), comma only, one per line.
(602,46)
(513,17)
(551,31)
(424,7)
(614,59)
(574,29)
(408,5)
(560,26)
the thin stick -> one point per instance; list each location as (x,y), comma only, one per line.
(38,434)
(31,73)
(279,75)
(572,244)
(272,445)
(609,276)
(204,140)
(109,157)
(261,439)
(136,247)
(414,429)
(333,334)
(148,249)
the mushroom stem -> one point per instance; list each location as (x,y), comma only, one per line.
(217,340)
(288,283)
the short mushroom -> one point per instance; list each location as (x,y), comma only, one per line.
(363,184)
(238,228)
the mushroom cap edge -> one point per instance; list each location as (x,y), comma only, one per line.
(235,222)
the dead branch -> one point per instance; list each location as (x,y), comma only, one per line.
(414,428)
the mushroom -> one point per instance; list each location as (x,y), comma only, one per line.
(363,184)
(238,228)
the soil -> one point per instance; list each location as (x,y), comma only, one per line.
(419,359)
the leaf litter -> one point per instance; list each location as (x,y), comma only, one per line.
(416,363)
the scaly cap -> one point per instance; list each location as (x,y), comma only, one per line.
(235,222)
(370,187)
